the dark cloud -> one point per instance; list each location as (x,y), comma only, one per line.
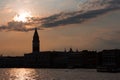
(90,9)
(74,19)
(96,8)
(18,26)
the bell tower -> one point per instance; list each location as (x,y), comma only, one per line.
(35,42)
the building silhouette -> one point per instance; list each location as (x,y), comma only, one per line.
(35,43)
(106,60)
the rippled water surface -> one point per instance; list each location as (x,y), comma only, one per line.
(55,74)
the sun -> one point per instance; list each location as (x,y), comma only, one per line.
(22,17)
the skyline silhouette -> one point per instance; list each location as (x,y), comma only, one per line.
(103,61)
(78,24)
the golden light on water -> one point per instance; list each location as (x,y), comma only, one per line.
(22,74)
(22,17)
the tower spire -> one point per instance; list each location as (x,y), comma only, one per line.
(35,42)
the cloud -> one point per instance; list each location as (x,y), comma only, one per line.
(17,26)
(88,10)
(69,18)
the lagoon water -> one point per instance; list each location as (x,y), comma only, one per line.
(55,74)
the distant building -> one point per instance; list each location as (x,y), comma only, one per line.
(109,60)
(71,50)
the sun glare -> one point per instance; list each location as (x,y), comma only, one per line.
(22,17)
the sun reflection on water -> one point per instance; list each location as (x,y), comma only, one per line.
(22,74)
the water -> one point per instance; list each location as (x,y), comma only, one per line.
(55,74)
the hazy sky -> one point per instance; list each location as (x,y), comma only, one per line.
(80,24)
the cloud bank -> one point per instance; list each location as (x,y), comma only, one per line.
(90,9)
(87,10)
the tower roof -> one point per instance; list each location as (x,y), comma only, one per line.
(36,36)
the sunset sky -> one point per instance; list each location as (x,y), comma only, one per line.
(79,24)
